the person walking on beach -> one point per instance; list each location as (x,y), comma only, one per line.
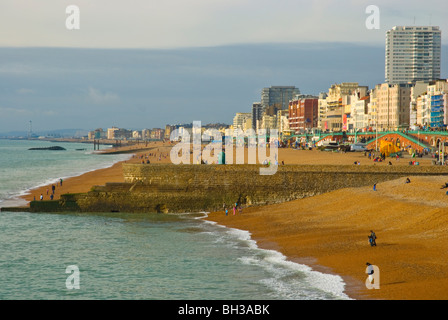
(61,182)
(372,238)
(41,197)
(234,210)
(374,187)
(370,271)
(227,211)
(53,188)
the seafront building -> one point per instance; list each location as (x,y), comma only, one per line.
(393,103)
(437,97)
(415,114)
(239,121)
(322,109)
(97,134)
(429,105)
(413,53)
(111,133)
(146,134)
(157,134)
(372,113)
(257,113)
(122,134)
(334,119)
(278,96)
(359,119)
(136,135)
(268,122)
(283,122)
(168,130)
(303,113)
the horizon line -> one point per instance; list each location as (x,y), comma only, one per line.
(364,44)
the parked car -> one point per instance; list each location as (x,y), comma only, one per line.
(330,145)
(359,147)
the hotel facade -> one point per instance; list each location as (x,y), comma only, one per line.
(412,54)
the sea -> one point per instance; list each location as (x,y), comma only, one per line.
(124,256)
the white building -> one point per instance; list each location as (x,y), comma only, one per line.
(136,134)
(146,134)
(413,54)
(240,119)
(283,121)
(322,109)
(418,89)
(359,116)
(111,133)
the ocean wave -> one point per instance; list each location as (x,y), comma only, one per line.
(287,279)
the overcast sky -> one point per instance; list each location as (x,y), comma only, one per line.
(186,23)
(146,63)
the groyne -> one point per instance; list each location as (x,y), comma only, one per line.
(194,188)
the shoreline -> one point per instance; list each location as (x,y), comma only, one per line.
(85,181)
(411,248)
(352,287)
(408,220)
(301,262)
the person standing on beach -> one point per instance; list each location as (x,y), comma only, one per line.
(41,197)
(234,210)
(61,182)
(374,187)
(370,271)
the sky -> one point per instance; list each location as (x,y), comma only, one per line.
(144,63)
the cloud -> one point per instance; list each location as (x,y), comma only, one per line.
(198,23)
(25,91)
(98,97)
